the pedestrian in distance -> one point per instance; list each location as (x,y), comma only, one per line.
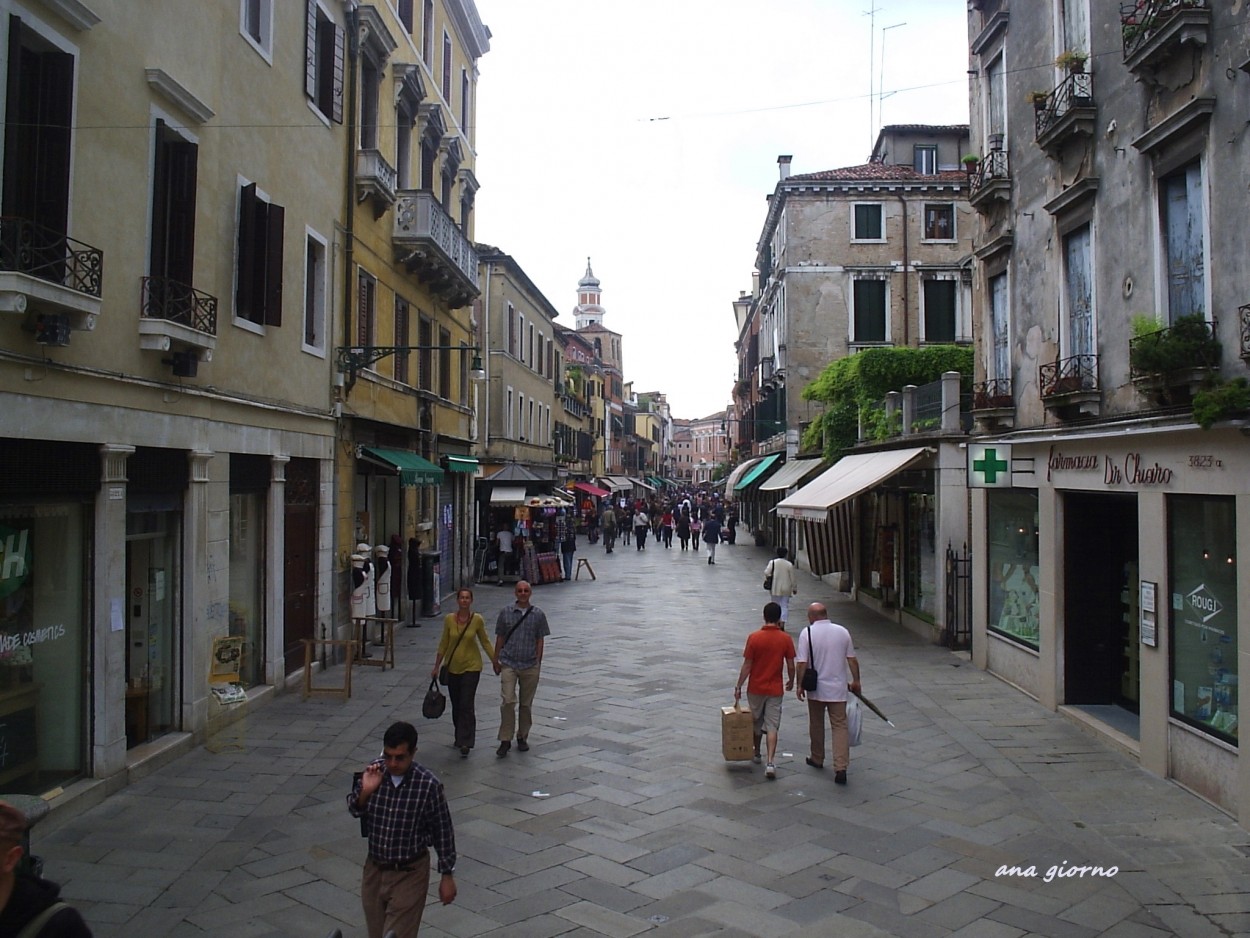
(625,523)
(696,530)
(608,523)
(784,582)
(683,529)
(568,547)
(403,811)
(711,537)
(30,906)
(666,528)
(505,540)
(642,524)
(464,665)
(828,648)
(520,632)
(767,650)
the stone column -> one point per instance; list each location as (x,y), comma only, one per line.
(108,690)
(275,578)
(205,590)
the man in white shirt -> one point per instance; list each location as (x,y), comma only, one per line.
(825,646)
(504,538)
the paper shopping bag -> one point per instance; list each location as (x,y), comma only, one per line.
(736,733)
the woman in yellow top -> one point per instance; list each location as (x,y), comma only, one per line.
(464,665)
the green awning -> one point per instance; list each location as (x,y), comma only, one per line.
(656,481)
(413,469)
(756,471)
(461,463)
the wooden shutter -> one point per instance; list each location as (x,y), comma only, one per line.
(274,222)
(1080,292)
(1182,214)
(340,48)
(310,48)
(999,326)
(183,158)
(244,298)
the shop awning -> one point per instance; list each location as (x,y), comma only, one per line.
(738,472)
(646,485)
(561,494)
(616,483)
(591,489)
(792,473)
(508,495)
(756,471)
(413,469)
(460,463)
(845,479)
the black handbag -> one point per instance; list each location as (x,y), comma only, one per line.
(435,703)
(810,677)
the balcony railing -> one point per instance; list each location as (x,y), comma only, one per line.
(49,255)
(1069,376)
(1188,345)
(1142,21)
(1243,315)
(991,180)
(428,242)
(1073,93)
(375,176)
(994,394)
(179,303)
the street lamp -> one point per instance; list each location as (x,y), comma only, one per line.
(352,359)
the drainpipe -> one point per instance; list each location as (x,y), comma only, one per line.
(350,7)
(906,276)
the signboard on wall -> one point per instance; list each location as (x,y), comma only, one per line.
(989,465)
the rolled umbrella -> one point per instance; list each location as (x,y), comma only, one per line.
(873,707)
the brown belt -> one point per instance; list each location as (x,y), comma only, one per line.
(403,866)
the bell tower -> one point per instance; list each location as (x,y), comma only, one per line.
(588,311)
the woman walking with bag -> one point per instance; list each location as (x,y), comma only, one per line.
(464,665)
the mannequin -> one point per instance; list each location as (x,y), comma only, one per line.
(360,589)
(382,580)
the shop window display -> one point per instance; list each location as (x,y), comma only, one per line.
(41,646)
(1202,568)
(1013,565)
(922,553)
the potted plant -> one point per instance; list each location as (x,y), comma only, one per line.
(1169,364)
(995,142)
(1072,60)
(971,161)
(1038,99)
(1221,399)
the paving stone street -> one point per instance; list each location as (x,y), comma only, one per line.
(624,819)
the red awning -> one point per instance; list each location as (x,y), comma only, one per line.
(592,489)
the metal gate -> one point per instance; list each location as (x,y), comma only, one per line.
(958,631)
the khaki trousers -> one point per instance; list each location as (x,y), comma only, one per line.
(816,710)
(395,901)
(509,721)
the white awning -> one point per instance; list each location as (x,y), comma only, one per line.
(646,485)
(849,476)
(738,472)
(792,473)
(508,495)
(616,483)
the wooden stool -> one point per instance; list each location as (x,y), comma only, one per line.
(583,562)
(310,645)
(388,642)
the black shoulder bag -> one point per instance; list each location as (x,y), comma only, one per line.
(515,627)
(810,677)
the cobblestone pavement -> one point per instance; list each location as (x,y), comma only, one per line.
(623,819)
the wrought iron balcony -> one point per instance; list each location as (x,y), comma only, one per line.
(994,394)
(176,312)
(1153,30)
(44,270)
(1187,345)
(1243,315)
(432,247)
(992,180)
(375,178)
(1075,375)
(1067,112)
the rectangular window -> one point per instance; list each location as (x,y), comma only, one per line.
(370,78)
(868,225)
(258,288)
(1202,571)
(444,364)
(314,292)
(869,314)
(464,100)
(366,309)
(540,362)
(405,14)
(512,331)
(528,358)
(427,33)
(924,159)
(465,361)
(507,430)
(425,357)
(256,24)
(1180,210)
(403,336)
(172,260)
(1011,519)
(1079,292)
(446,84)
(940,315)
(939,221)
(324,49)
(1000,327)
(520,417)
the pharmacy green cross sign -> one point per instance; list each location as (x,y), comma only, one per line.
(989,465)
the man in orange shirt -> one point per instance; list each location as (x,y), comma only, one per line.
(766,649)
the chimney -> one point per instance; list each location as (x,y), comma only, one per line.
(784,163)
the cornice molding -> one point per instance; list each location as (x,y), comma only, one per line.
(175,93)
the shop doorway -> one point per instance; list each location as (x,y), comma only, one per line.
(153,582)
(1100,636)
(299,560)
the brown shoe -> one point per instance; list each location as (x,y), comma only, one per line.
(522,745)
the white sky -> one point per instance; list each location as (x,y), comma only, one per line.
(645,134)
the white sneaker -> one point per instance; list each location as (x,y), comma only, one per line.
(770,771)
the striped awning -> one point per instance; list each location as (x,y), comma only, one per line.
(789,475)
(738,472)
(849,476)
(829,543)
